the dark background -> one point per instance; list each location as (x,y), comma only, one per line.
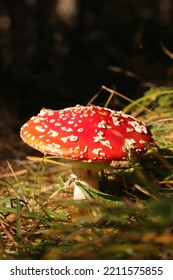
(58,53)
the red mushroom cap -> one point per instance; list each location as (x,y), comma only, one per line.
(88,133)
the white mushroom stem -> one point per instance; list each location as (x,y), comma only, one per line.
(87,177)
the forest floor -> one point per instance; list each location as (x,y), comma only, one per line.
(130,218)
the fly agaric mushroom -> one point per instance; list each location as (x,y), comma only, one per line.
(89,136)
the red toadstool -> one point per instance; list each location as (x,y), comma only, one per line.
(89,136)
